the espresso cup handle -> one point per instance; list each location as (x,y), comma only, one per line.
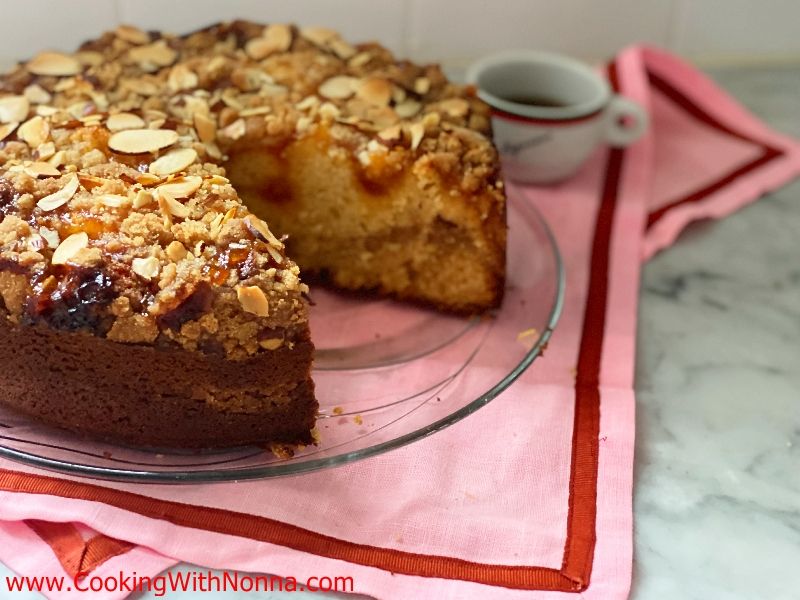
(627,122)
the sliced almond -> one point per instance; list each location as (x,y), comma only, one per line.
(319,36)
(417,133)
(36,94)
(60,197)
(181,188)
(173,162)
(50,236)
(170,205)
(70,247)
(341,48)
(206,128)
(113,200)
(303,123)
(89,182)
(375,91)
(6,129)
(338,87)
(235,130)
(307,103)
(153,56)
(34,132)
(54,64)
(276,256)
(123,121)
(89,57)
(455,107)
(146,267)
(256,110)
(138,141)
(46,150)
(276,38)
(360,59)
(280,35)
(14,109)
(142,198)
(132,35)
(58,158)
(253,300)
(42,169)
(407,109)
(148,179)
(422,85)
(271,344)
(390,134)
(260,230)
(329,111)
(181,77)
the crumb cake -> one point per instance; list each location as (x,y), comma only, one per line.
(145,298)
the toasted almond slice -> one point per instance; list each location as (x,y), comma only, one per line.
(183,187)
(124,120)
(58,158)
(390,134)
(54,64)
(50,236)
(276,256)
(375,91)
(260,230)
(256,110)
(173,162)
(338,87)
(253,300)
(407,109)
(70,247)
(329,111)
(36,94)
(166,200)
(148,179)
(181,77)
(341,48)
(146,267)
(153,56)
(34,132)
(113,200)
(46,150)
(132,35)
(307,103)
(42,169)
(235,130)
(276,38)
(14,109)
(206,128)
(60,197)
(417,133)
(455,107)
(89,182)
(6,129)
(280,35)
(89,57)
(360,59)
(142,198)
(46,111)
(319,36)
(422,85)
(138,141)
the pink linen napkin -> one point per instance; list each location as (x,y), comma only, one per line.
(528,498)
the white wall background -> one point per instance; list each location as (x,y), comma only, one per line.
(452,31)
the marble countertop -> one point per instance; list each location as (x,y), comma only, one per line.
(717,493)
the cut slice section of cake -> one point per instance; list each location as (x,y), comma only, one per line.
(143,302)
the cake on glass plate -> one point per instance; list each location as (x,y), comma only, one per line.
(163,198)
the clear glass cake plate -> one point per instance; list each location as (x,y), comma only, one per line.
(387,374)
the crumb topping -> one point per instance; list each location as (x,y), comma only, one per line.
(116,213)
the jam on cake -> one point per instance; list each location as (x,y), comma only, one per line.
(144,297)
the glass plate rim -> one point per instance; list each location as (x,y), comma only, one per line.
(309,466)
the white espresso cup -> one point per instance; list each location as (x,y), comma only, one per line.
(549,112)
